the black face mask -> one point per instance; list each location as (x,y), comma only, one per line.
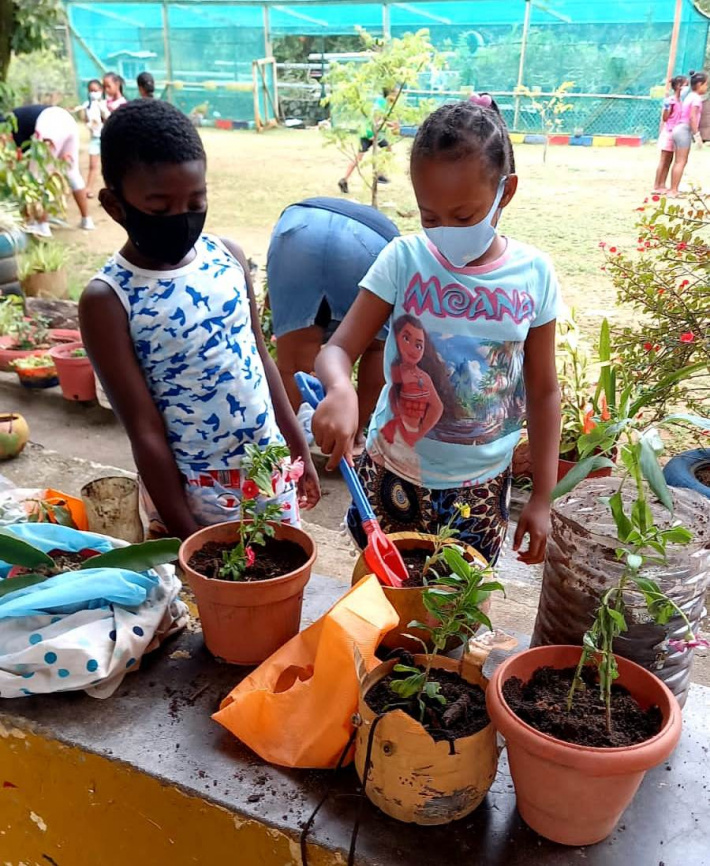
(163,238)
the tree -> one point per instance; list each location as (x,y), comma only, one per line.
(355,87)
(548,110)
(26,26)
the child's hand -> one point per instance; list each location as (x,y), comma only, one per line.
(308,485)
(335,425)
(535,523)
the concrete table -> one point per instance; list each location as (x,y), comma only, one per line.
(146,778)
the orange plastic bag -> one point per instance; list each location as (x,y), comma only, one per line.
(74,506)
(295,709)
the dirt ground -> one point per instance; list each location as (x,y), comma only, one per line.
(565,207)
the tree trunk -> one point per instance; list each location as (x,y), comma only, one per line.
(6,22)
(375,173)
(544,152)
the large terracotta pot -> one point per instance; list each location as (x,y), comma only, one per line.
(14,434)
(76,375)
(407,601)
(410,776)
(48,284)
(245,622)
(569,793)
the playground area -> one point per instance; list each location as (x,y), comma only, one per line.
(566,207)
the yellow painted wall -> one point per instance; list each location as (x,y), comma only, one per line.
(72,808)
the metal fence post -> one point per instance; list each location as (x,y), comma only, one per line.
(166,50)
(521,67)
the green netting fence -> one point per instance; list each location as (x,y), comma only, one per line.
(201,51)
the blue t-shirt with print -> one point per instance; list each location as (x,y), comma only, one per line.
(453,404)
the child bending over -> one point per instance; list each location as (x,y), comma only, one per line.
(171,327)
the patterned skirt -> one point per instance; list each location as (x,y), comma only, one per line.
(401,506)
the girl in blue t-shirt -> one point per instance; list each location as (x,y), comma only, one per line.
(470,355)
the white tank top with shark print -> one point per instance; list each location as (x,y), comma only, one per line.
(193,337)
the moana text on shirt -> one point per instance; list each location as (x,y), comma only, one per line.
(457,301)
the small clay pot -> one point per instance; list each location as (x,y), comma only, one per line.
(573,794)
(413,778)
(76,375)
(14,434)
(407,600)
(244,622)
(36,377)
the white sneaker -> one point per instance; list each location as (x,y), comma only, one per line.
(40,230)
(87,224)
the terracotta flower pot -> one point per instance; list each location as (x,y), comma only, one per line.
(407,601)
(413,778)
(76,375)
(9,354)
(245,622)
(48,284)
(14,434)
(569,793)
(37,377)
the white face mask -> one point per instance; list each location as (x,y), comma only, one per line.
(460,245)
(95,95)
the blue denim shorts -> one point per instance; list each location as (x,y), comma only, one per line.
(317,259)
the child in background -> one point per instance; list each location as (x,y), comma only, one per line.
(172,330)
(472,349)
(113,88)
(95,113)
(672,107)
(688,128)
(146,85)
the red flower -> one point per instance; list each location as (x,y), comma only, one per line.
(661,291)
(250,555)
(648,346)
(684,284)
(655,198)
(250,489)
(687,337)
(612,249)
(682,246)
(602,245)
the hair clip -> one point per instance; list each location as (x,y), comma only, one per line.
(482,99)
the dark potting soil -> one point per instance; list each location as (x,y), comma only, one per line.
(463,714)
(414,560)
(542,703)
(703,475)
(65,561)
(276,558)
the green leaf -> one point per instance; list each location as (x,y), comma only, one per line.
(456,562)
(653,474)
(677,535)
(15,551)
(623,524)
(137,557)
(618,618)
(406,669)
(582,469)
(12,584)
(697,420)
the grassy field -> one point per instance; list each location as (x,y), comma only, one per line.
(565,207)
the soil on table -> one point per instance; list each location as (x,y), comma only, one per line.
(276,558)
(542,703)
(64,561)
(703,475)
(463,714)
(415,560)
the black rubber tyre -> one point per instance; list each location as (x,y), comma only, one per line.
(681,471)
(13,288)
(8,270)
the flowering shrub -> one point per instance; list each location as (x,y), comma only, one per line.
(267,473)
(667,283)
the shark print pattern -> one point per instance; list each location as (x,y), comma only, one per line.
(192,334)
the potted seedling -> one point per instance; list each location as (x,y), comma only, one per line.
(36,371)
(423,556)
(32,566)
(425,749)
(248,576)
(76,375)
(584,725)
(42,270)
(24,336)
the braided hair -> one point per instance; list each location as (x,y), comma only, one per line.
(461,129)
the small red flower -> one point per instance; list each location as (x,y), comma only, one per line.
(656,347)
(602,245)
(655,198)
(682,246)
(641,209)
(687,337)
(661,291)
(250,489)
(648,346)
(250,555)
(612,249)
(684,284)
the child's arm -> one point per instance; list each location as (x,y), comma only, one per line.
(543,413)
(308,484)
(335,422)
(108,343)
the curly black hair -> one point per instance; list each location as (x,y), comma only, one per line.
(146,132)
(461,129)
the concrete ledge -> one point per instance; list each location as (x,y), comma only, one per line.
(146,778)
